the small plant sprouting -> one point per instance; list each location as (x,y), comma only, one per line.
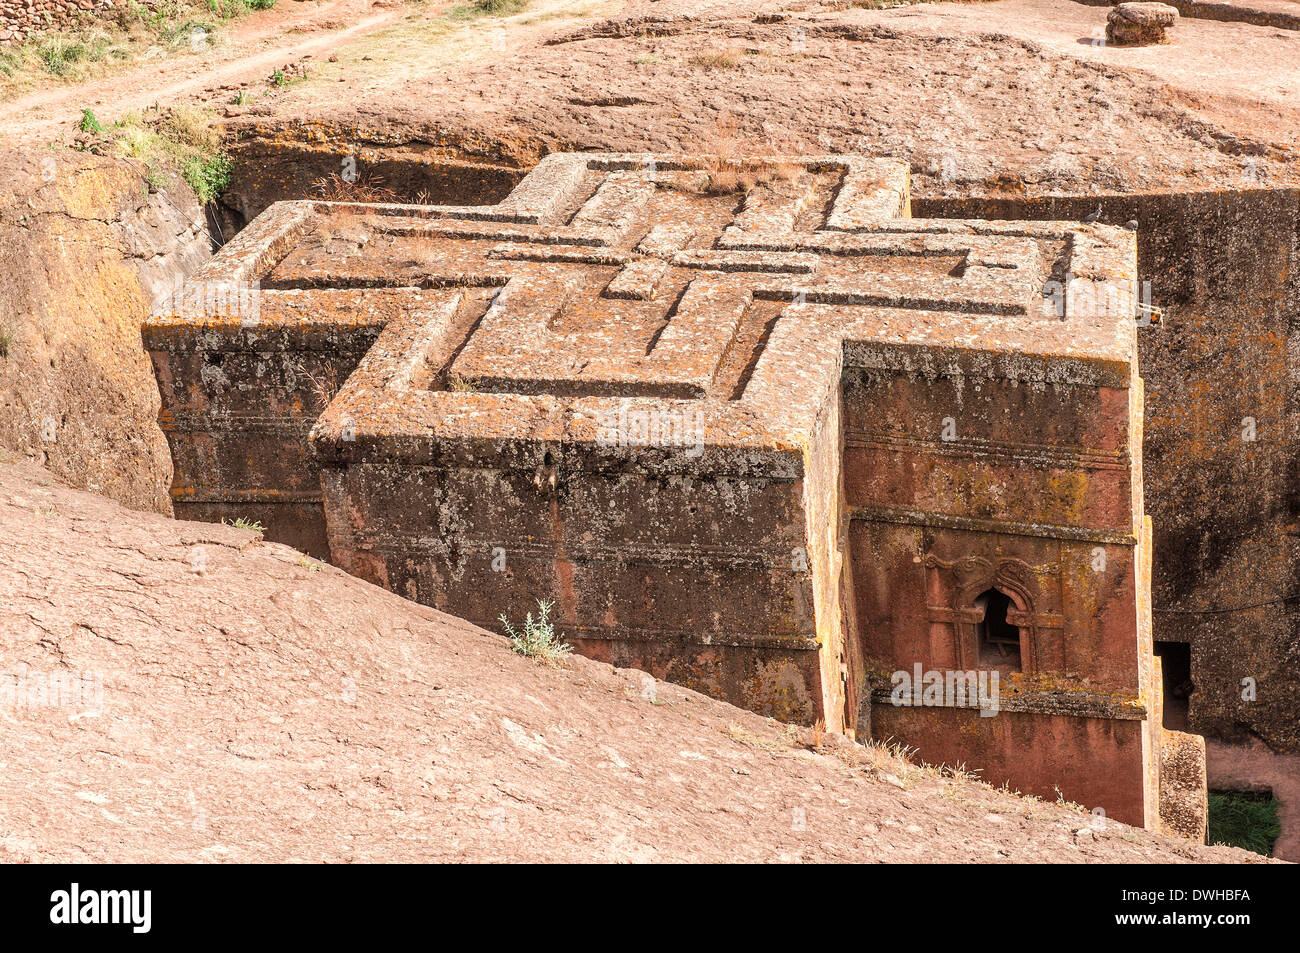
(538,639)
(89,123)
(6,340)
(251,525)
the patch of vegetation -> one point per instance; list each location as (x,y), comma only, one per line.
(538,640)
(154,179)
(251,525)
(207,175)
(360,188)
(229,9)
(728,58)
(6,340)
(89,123)
(1244,819)
(487,8)
(183,138)
(80,53)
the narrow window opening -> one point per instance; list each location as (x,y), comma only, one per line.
(1177,687)
(999,640)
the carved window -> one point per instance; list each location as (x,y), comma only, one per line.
(998,641)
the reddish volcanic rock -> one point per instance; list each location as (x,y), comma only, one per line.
(184,692)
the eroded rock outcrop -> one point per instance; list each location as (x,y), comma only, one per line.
(1140,24)
(184,692)
(84,247)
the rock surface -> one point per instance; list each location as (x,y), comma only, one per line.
(235,701)
(84,248)
(1140,24)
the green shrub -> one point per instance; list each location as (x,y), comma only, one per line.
(476,9)
(1244,819)
(208,174)
(60,54)
(89,123)
(538,639)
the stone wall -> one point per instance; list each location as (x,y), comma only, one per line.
(1220,368)
(21,19)
(270,165)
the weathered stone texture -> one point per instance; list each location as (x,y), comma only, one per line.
(752,428)
(1220,367)
(1184,811)
(1140,24)
(84,248)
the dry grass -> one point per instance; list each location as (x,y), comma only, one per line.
(737,163)
(368,189)
(727,58)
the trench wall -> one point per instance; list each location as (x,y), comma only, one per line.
(1221,431)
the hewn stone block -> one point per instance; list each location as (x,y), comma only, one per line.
(748,424)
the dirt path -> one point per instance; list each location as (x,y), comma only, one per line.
(246,51)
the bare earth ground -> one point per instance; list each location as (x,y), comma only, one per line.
(258,706)
(1001,95)
(246,52)
(1009,95)
(1004,96)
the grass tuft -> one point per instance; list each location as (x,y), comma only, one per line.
(727,58)
(538,640)
(184,138)
(500,8)
(1244,819)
